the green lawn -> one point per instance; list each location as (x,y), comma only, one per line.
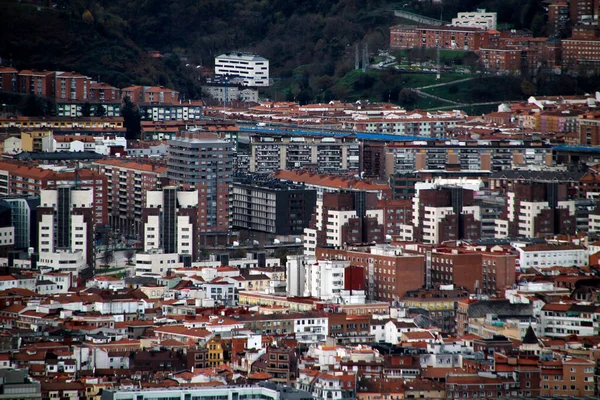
(480,90)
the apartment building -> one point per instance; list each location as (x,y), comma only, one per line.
(390,272)
(583,11)
(476,19)
(23,217)
(251,68)
(33,139)
(169,221)
(325,155)
(7,231)
(492,155)
(425,126)
(208,393)
(103,92)
(176,111)
(205,162)
(156,262)
(127,185)
(38,83)
(501,60)
(74,108)
(480,269)
(308,327)
(282,364)
(589,129)
(443,213)
(66,230)
(271,206)
(324,183)
(344,217)
(558,18)
(325,279)
(446,37)
(566,319)
(540,208)
(21,180)
(573,377)
(547,255)
(72,86)
(8,79)
(226,93)
(61,124)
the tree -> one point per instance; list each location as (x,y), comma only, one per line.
(100,111)
(108,257)
(87,17)
(131,119)
(129,254)
(527,88)
(86,110)
(33,107)
(407,97)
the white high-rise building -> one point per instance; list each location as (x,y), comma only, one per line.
(169,219)
(252,69)
(325,279)
(66,233)
(296,274)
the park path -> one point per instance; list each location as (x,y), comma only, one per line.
(446,83)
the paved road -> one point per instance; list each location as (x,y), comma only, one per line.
(447,83)
(489,103)
(431,96)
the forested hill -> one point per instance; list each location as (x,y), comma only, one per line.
(109,39)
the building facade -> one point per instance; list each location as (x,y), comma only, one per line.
(253,69)
(203,161)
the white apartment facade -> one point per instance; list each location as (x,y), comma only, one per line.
(253,69)
(477,19)
(311,328)
(562,320)
(155,263)
(296,274)
(541,256)
(525,215)
(432,217)
(64,229)
(155,225)
(325,279)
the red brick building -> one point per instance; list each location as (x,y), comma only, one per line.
(135,93)
(482,269)
(127,184)
(395,214)
(17,179)
(581,10)
(8,79)
(558,18)
(159,94)
(389,275)
(496,60)
(38,83)
(72,86)
(101,92)
(445,214)
(447,37)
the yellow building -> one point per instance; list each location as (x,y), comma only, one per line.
(215,352)
(33,140)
